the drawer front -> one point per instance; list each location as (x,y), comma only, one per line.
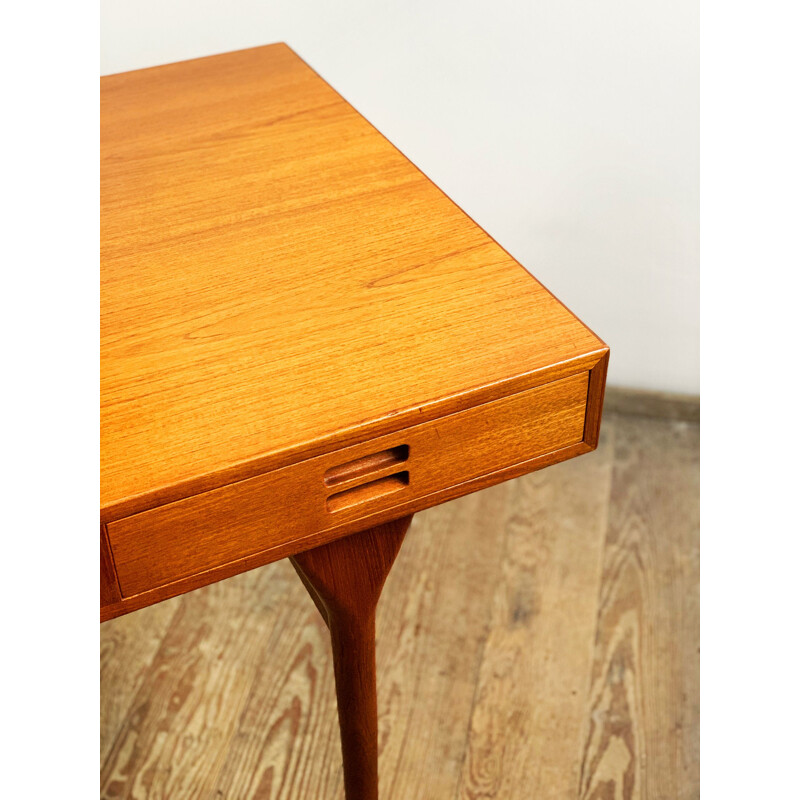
(190,536)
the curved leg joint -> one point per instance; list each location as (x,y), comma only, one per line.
(345,579)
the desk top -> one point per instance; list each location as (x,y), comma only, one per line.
(278,281)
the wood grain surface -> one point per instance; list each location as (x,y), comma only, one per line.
(345,579)
(642,738)
(126,652)
(529,644)
(191,679)
(279,281)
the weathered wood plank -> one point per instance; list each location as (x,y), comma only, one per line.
(178,729)
(127,648)
(287,731)
(642,735)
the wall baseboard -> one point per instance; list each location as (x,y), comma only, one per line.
(644,403)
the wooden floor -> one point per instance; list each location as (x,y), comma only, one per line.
(538,639)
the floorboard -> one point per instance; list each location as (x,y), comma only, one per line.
(642,736)
(127,648)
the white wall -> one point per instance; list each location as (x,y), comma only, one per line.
(567,128)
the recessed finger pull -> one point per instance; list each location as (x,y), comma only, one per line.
(367,492)
(366,465)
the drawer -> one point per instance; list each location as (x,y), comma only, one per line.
(399,470)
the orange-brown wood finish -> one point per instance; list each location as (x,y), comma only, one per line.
(285,505)
(109,587)
(345,579)
(278,281)
(304,342)
(283,292)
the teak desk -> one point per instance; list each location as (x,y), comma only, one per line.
(303,342)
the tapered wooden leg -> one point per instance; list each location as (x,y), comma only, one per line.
(345,579)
